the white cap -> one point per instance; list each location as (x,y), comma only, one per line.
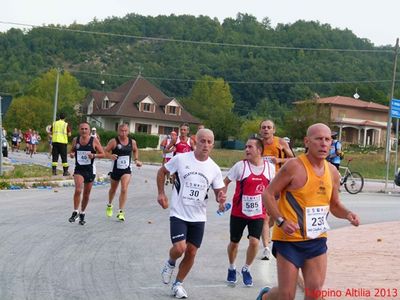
(94,128)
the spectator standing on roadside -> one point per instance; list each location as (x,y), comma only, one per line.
(335,151)
(60,133)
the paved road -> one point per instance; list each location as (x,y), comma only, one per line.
(45,257)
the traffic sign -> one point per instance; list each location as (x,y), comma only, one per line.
(5,103)
(395,108)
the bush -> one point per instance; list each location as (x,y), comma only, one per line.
(143,140)
(4,185)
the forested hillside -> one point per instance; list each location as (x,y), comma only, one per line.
(286,63)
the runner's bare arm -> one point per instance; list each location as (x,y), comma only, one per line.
(98,148)
(135,154)
(108,150)
(281,181)
(72,153)
(286,149)
(227,181)
(162,198)
(171,144)
(220,197)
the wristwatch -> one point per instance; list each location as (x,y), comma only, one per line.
(279,222)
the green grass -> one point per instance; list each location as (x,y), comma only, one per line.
(27,171)
(370,165)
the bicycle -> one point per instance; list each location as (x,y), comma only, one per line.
(353,181)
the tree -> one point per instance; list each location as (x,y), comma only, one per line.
(212,102)
(302,116)
(28,112)
(70,93)
(250,127)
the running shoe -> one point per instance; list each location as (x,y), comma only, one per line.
(109,210)
(266,254)
(73,217)
(121,216)
(178,290)
(82,219)
(262,292)
(166,272)
(247,279)
(232,278)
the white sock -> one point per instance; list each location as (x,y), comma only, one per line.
(232,267)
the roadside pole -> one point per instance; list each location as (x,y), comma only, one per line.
(389,124)
(56,96)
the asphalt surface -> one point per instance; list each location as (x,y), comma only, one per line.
(43,256)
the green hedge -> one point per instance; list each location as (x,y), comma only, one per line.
(143,140)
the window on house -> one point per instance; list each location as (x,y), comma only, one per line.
(147,107)
(164,129)
(172,110)
(145,128)
(106,104)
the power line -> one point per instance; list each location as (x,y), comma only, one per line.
(196,42)
(233,81)
(208,81)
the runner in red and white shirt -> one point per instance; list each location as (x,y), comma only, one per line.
(252,176)
(168,153)
(183,142)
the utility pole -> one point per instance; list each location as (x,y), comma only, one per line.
(389,123)
(56,95)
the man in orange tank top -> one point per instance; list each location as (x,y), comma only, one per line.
(277,151)
(308,186)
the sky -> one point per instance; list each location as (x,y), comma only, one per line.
(377,21)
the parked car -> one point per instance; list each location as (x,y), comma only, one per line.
(4,146)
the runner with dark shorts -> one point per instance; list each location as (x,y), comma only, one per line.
(84,149)
(120,149)
(309,187)
(252,175)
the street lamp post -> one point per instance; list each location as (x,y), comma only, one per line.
(56,96)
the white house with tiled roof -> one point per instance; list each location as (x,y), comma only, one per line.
(357,121)
(139,104)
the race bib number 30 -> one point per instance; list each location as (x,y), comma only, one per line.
(194,194)
(123,162)
(83,158)
(316,221)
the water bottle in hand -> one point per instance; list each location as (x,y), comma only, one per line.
(227,207)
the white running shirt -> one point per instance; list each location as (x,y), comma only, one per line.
(193,180)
